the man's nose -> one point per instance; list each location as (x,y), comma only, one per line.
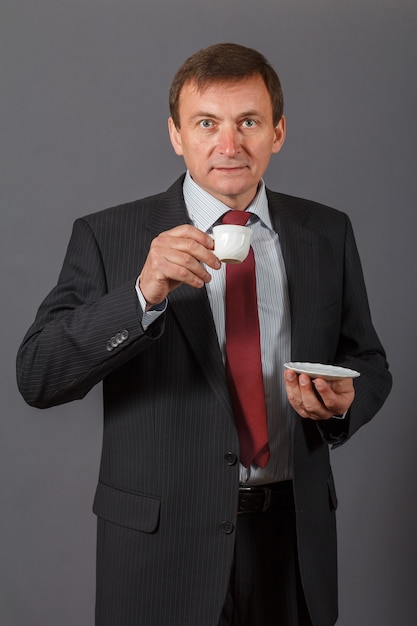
(229,141)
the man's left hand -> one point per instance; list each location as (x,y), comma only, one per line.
(318,399)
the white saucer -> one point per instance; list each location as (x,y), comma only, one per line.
(319,370)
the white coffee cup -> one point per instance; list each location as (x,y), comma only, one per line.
(231,242)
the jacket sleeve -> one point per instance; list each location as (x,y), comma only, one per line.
(81,332)
(359,348)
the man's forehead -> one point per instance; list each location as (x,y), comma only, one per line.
(200,86)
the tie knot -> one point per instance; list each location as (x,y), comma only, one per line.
(236,217)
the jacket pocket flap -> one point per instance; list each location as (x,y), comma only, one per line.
(133,510)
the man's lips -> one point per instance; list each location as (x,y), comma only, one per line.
(229,168)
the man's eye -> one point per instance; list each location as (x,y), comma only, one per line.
(249,123)
(206,123)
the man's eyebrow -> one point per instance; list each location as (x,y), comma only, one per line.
(252,113)
(199,114)
(204,114)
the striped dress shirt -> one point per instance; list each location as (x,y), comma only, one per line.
(205,211)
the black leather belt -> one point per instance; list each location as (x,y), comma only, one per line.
(261,498)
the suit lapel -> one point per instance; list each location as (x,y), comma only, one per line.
(300,251)
(190,306)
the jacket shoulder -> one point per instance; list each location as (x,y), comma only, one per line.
(126,211)
(301,205)
(137,210)
(313,215)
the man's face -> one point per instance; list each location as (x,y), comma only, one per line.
(227,136)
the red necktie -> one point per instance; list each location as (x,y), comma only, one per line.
(243,355)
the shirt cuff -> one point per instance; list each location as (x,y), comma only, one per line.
(151,315)
(339,417)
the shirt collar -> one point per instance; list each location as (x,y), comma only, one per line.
(205,210)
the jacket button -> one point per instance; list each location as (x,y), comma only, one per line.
(230,458)
(124,335)
(227,527)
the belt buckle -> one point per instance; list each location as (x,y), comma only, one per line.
(266,493)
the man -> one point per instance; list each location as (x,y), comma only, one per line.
(191,531)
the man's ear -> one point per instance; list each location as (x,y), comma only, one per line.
(280,133)
(175,137)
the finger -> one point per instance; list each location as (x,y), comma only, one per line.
(188,231)
(174,259)
(294,392)
(190,241)
(311,401)
(174,267)
(337,395)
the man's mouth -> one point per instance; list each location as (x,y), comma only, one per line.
(229,168)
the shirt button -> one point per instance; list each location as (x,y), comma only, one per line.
(230,458)
(227,527)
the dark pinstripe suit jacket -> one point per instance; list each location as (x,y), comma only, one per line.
(166,480)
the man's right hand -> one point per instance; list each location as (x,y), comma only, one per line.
(175,257)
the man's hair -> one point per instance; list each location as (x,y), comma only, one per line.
(225,62)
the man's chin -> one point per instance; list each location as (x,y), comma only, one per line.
(234,196)
(232,180)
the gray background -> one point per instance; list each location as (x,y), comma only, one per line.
(83,126)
